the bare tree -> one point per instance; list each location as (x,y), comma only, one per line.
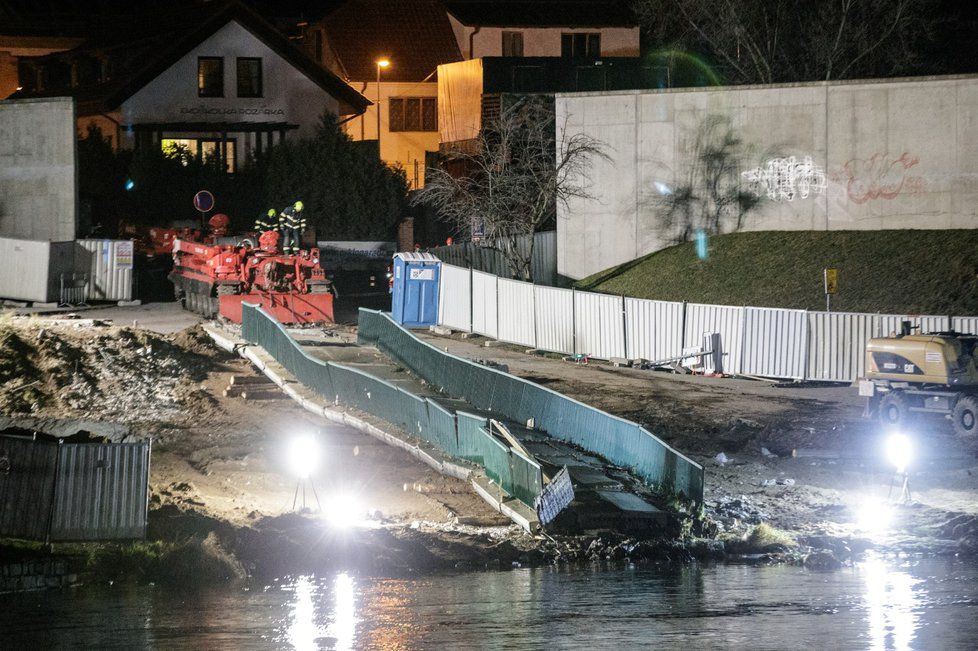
(511,182)
(710,196)
(767,41)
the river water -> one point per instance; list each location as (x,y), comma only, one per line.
(884,604)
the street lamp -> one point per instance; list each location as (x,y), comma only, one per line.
(381,64)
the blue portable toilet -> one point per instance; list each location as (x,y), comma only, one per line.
(414,302)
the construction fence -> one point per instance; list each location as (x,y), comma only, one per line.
(487,257)
(73,491)
(766,342)
(461,435)
(621,442)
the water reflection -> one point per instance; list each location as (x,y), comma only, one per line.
(891,601)
(305,632)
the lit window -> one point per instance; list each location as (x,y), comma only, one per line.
(186,149)
(249,77)
(210,77)
(413,114)
(512,44)
(584,45)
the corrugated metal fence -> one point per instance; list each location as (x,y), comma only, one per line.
(767,342)
(73,491)
(543,264)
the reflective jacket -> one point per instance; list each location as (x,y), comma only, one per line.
(265,223)
(292,218)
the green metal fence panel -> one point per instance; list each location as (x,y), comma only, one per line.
(618,440)
(477,444)
(527,478)
(441,430)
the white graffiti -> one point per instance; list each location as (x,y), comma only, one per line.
(786,179)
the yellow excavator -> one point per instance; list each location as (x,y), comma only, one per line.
(912,374)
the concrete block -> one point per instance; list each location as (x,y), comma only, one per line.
(44,306)
(619,362)
(440,330)
(130,303)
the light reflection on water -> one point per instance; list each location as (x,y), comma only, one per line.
(879,604)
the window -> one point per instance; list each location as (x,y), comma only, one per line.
(249,77)
(206,149)
(512,44)
(210,77)
(585,45)
(413,114)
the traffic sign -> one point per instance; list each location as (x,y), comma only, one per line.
(204,201)
(831,281)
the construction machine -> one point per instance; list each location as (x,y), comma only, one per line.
(913,374)
(213,279)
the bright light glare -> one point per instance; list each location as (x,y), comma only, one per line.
(344,511)
(899,451)
(304,454)
(383,63)
(873,516)
(662,188)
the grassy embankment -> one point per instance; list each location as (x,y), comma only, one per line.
(899,272)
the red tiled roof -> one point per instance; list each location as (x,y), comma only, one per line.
(414,34)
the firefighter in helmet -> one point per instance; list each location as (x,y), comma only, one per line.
(266,221)
(292,223)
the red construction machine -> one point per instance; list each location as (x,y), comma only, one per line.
(212,279)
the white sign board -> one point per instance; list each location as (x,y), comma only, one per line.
(422,274)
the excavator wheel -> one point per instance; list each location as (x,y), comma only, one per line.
(965,416)
(893,410)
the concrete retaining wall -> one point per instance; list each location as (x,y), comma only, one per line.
(893,154)
(38,188)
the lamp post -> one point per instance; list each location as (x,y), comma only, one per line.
(381,64)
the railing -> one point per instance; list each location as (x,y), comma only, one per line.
(767,342)
(463,435)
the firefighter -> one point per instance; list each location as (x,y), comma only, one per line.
(266,221)
(292,223)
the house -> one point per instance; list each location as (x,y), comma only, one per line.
(213,78)
(515,48)
(27,33)
(575,29)
(389,50)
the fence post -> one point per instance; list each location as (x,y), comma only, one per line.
(573,321)
(624,328)
(471,299)
(743,339)
(682,331)
(805,343)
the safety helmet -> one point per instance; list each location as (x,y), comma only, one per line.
(298,205)
(271,212)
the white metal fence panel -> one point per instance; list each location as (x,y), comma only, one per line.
(600,325)
(516,314)
(725,320)
(774,342)
(554,319)
(653,329)
(887,324)
(484,304)
(454,310)
(837,345)
(110,269)
(966,324)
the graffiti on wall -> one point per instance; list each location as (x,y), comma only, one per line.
(881,176)
(786,179)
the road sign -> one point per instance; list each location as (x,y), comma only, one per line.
(831,281)
(204,201)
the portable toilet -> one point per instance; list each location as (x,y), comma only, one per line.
(415,291)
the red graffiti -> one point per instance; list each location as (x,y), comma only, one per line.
(879,177)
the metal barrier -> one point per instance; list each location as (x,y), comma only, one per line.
(769,342)
(73,491)
(73,290)
(459,435)
(622,442)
